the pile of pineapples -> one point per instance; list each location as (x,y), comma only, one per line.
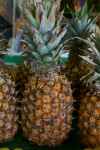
(46,95)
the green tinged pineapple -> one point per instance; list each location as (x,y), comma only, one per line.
(75,68)
(47,106)
(89,112)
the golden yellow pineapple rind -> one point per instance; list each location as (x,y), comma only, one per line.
(8,108)
(47,110)
(89,120)
(89,113)
(8,101)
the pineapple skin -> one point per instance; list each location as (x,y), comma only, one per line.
(74,70)
(8,106)
(89,120)
(12,71)
(47,109)
(23,72)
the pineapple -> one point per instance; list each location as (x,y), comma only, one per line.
(75,68)
(24,69)
(47,105)
(8,101)
(12,70)
(23,72)
(89,112)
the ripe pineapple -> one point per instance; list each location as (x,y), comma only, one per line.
(75,68)
(8,101)
(89,112)
(47,106)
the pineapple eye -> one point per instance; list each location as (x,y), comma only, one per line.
(1,123)
(7,135)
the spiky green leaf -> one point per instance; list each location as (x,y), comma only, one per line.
(47,37)
(44,25)
(76,12)
(89,53)
(18,45)
(36,55)
(34,31)
(56,30)
(47,58)
(37,40)
(51,17)
(56,58)
(97,31)
(84,21)
(39,12)
(27,6)
(87,75)
(94,77)
(42,50)
(56,40)
(31,46)
(30,18)
(84,10)
(90,11)
(92,21)
(60,16)
(88,60)
(27,38)
(95,51)
(78,27)
(73,32)
(47,6)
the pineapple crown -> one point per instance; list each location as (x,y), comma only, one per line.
(94,58)
(3,46)
(80,27)
(43,33)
